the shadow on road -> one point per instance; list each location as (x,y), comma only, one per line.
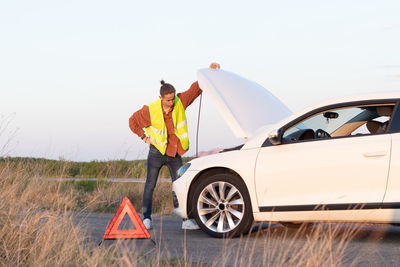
(362,232)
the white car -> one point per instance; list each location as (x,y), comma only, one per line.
(338,161)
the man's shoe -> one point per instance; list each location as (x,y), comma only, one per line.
(190,224)
(147,223)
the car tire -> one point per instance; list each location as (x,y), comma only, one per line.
(222,206)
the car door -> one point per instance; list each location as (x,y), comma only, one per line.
(327,159)
(392,196)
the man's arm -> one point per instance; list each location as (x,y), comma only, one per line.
(139,120)
(190,95)
(194,91)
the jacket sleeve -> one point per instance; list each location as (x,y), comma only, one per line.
(139,120)
(187,97)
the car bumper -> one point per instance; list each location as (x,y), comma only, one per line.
(180,191)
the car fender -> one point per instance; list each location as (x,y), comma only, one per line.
(240,162)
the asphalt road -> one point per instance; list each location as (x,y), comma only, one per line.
(372,245)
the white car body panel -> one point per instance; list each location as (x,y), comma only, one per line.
(245,105)
(283,173)
(181,188)
(259,137)
(371,215)
(242,162)
(393,187)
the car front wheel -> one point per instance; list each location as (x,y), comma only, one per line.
(222,206)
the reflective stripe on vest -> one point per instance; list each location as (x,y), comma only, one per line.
(154,141)
(180,125)
(158,131)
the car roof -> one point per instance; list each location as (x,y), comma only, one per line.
(342,100)
(356,98)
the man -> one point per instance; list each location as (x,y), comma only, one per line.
(165,123)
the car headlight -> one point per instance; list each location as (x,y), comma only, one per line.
(183,169)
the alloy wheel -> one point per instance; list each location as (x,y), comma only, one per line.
(220,206)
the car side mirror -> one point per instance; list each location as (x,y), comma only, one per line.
(274,137)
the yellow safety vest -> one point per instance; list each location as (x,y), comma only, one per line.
(157,131)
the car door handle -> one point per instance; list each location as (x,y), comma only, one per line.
(375,154)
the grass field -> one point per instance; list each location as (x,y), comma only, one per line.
(93,169)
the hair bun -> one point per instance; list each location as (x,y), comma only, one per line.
(162,82)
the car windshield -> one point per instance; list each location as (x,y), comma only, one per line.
(341,122)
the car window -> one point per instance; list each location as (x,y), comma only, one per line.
(348,121)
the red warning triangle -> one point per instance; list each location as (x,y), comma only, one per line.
(112,231)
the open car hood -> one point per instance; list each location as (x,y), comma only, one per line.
(245,105)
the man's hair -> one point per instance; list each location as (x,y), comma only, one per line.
(166,88)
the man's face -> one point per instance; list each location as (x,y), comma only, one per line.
(168,100)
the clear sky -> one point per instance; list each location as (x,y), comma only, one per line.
(73,72)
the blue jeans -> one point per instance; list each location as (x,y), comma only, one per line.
(155,161)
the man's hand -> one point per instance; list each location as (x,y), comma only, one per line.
(147,140)
(215,66)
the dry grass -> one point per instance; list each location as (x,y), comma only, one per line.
(37,228)
(102,196)
(34,229)
(319,245)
